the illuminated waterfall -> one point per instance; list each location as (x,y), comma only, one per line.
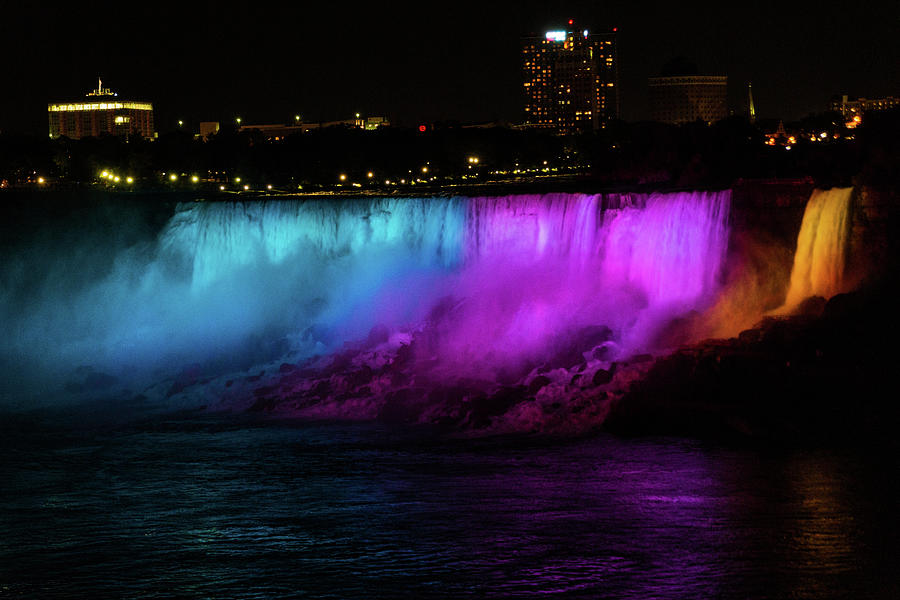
(288,278)
(821,247)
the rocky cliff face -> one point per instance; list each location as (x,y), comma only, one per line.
(873,248)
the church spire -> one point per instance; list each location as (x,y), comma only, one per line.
(752,108)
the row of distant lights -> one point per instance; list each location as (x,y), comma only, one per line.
(113,178)
(793,140)
(246,187)
(473,160)
(173,177)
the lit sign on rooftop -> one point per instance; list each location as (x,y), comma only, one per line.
(556,36)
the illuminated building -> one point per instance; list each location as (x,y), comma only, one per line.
(208,129)
(571,80)
(856,107)
(102,112)
(688,98)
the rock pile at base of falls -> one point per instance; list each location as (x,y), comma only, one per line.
(818,372)
(394,377)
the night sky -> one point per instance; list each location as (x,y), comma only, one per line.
(267,61)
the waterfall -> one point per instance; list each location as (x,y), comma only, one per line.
(540,267)
(821,254)
(218,238)
(290,278)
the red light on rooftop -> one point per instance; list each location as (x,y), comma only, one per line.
(571,21)
(422,128)
(615,28)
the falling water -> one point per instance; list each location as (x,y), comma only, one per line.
(540,267)
(259,280)
(821,247)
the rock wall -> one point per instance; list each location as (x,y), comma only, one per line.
(873,251)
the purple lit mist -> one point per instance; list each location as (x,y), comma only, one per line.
(540,268)
(498,284)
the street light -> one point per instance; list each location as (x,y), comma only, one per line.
(180,122)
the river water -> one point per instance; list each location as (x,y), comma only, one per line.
(110,503)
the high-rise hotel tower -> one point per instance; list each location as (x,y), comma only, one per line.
(571,80)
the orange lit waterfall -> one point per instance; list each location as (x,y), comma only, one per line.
(820,259)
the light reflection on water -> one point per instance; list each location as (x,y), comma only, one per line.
(201,506)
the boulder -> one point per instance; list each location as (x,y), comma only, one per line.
(814,306)
(498,403)
(602,352)
(603,376)
(537,384)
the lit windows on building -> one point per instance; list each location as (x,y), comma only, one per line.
(570,80)
(688,98)
(102,113)
(852,107)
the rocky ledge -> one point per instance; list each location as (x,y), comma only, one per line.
(820,372)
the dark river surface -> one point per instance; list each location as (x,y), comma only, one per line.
(94,505)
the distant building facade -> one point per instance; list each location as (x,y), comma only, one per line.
(103,112)
(278,132)
(852,107)
(571,80)
(208,129)
(687,98)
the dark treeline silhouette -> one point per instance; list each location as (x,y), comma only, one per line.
(694,154)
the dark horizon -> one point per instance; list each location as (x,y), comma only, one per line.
(266,63)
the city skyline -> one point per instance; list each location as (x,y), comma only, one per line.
(268,63)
